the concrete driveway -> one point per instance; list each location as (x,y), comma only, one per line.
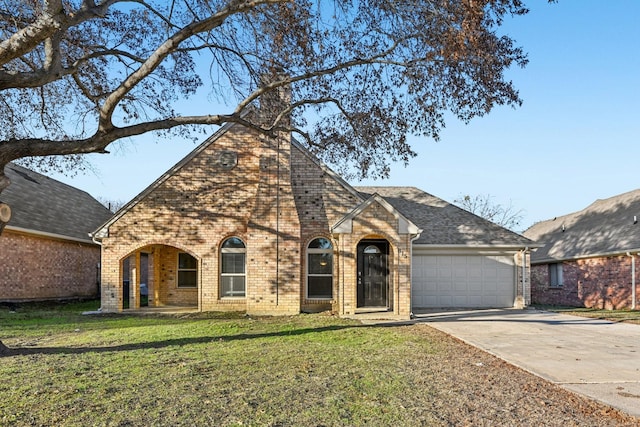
(596,358)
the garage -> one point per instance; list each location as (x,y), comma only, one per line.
(464,280)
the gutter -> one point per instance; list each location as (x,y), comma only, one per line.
(46,234)
(585,256)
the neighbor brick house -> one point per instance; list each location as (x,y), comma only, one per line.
(258,224)
(45,249)
(588,257)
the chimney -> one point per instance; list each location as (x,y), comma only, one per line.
(275,101)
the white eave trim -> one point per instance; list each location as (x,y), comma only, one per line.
(50,235)
(425,249)
(622,252)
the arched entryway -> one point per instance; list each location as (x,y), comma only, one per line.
(159,276)
(373,273)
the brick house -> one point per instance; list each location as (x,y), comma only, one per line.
(257,224)
(588,257)
(45,249)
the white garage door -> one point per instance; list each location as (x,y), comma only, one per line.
(477,281)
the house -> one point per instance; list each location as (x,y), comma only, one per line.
(257,224)
(588,257)
(45,249)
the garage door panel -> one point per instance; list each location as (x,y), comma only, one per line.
(462,281)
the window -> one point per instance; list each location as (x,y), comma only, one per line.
(555,275)
(232,268)
(320,269)
(187,271)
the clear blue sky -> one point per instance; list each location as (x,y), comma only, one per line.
(574,140)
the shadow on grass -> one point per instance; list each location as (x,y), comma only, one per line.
(178,342)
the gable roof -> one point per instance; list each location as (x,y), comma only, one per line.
(100,231)
(443,223)
(42,205)
(405,226)
(606,227)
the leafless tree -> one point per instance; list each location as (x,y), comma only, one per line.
(77,75)
(484,206)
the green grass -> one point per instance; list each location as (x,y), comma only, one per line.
(227,370)
(214,369)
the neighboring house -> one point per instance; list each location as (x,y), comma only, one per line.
(45,249)
(588,258)
(255,224)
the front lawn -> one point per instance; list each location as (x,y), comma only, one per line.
(209,369)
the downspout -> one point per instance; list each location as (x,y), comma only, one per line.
(633,280)
(341,241)
(524,273)
(278,222)
(93,239)
(413,239)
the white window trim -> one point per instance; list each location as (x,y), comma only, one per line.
(233,251)
(318,251)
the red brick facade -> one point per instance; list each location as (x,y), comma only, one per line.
(276,199)
(603,282)
(34,267)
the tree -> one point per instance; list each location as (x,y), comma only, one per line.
(483,206)
(111,204)
(77,75)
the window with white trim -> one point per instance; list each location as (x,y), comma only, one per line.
(233,256)
(320,269)
(555,275)
(187,271)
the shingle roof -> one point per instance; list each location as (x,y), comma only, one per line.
(604,227)
(42,204)
(443,223)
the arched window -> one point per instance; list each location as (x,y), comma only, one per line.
(233,255)
(320,269)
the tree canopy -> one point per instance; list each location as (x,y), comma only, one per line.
(361,75)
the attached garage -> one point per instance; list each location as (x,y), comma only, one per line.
(464,280)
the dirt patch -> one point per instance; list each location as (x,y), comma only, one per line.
(477,388)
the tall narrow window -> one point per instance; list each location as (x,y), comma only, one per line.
(555,275)
(233,255)
(320,269)
(187,271)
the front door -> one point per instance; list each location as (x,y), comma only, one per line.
(373,273)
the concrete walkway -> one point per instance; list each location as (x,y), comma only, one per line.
(596,358)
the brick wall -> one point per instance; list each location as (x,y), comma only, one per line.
(603,282)
(36,268)
(321,201)
(276,199)
(375,222)
(194,210)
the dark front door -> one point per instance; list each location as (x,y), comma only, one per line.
(373,273)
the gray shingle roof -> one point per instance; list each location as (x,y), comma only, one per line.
(604,227)
(42,204)
(443,223)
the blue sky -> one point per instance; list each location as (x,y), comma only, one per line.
(574,140)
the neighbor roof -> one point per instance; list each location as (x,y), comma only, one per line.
(43,205)
(443,223)
(605,227)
